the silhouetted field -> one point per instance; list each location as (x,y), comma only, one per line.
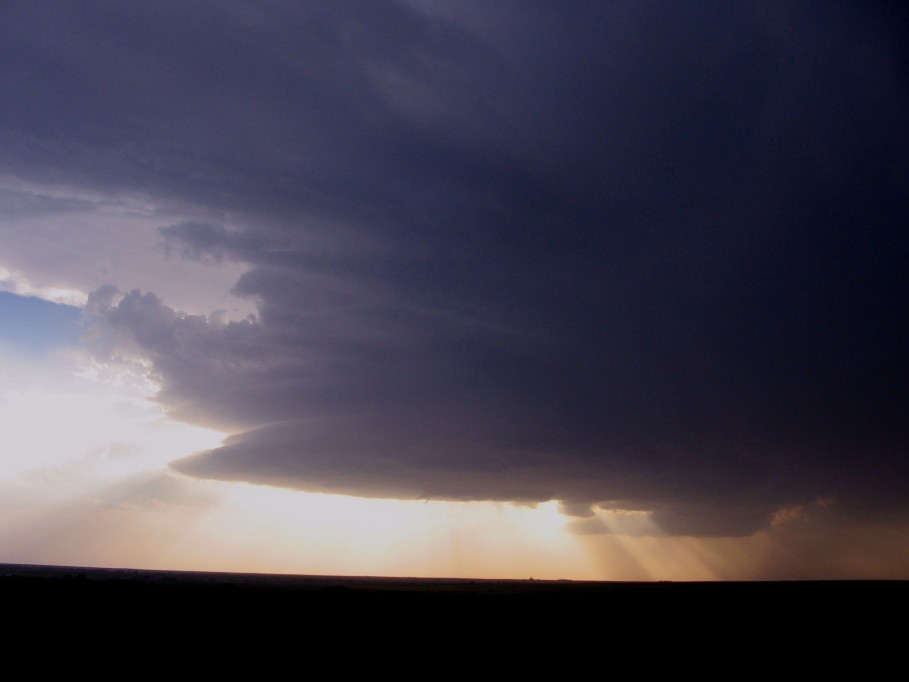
(112,586)
(256,610)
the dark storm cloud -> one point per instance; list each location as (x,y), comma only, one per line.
(606,252)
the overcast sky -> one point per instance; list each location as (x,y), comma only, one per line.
(638,256)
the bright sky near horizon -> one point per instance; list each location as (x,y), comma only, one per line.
(455,289)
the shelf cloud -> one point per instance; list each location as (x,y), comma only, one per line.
(642,257)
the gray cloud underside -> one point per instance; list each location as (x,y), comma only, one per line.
(650,256)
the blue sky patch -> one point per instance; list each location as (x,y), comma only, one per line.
(35,326)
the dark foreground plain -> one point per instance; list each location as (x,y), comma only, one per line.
(252,614)
(28,585)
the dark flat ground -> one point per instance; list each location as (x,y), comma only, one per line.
(256,611)
(30,584)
